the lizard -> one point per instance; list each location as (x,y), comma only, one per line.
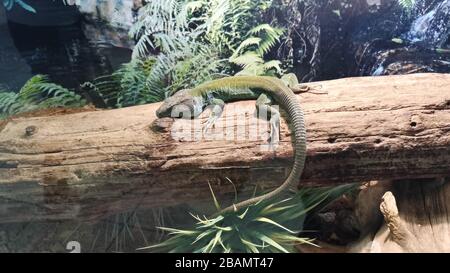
(190,103)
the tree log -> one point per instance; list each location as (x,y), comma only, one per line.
(92,164)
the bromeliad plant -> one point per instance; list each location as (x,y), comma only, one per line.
(267,226)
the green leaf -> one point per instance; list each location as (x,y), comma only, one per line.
(407,4)
(270,242)
(253,247)
(178,231)
(248,59)
(203,235)
(269,221)
(216,203)
(246,43)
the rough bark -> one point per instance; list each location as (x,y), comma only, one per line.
(92,164)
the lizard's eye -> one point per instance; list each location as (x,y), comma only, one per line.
(181,111)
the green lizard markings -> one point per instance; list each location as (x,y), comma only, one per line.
(190,103)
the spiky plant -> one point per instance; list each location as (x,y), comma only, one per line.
(268,226)
(38,93)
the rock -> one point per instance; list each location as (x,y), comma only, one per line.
(117,13)
(14,71)
(109,21)
(336,224)
(105,35)
(414,43)
(406,60)
(324,35)
(431,29)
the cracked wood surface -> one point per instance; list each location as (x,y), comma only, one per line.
(92,164)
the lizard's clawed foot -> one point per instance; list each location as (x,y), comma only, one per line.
(216,111)
(272,147)
(209,123)
(274,139)
(266,110)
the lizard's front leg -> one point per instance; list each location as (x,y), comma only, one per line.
(265,110)
(216,106)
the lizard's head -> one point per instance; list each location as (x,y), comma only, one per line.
(181,105)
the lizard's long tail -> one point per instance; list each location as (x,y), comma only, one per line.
(288,101)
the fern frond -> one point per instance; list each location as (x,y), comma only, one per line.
(250,53)
(29,93)
(189,41)
(131,79)
(256,41)
(274,64)
(9,104)
(247,59)
(407,4)
(38,93)
(271,36)
(161,25)
(263,28)
(42,93)
(200,66)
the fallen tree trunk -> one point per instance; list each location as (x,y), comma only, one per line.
(93,164)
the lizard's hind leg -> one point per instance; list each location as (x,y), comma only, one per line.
(216,106)
(266,110)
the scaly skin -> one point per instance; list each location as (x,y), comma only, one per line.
(274,87)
